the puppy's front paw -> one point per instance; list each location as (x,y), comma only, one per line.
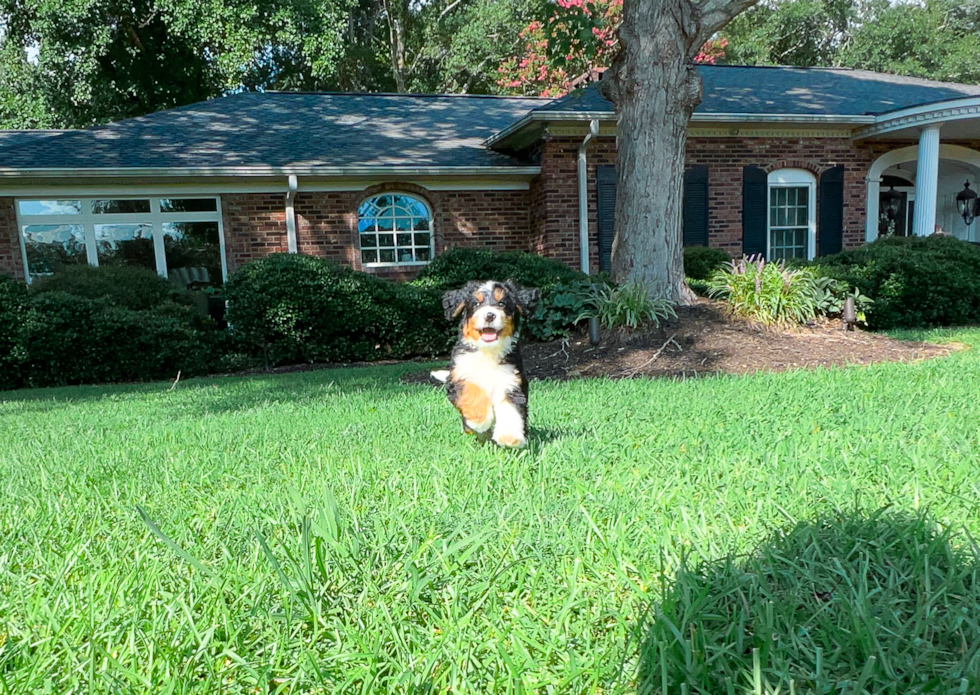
(510,441)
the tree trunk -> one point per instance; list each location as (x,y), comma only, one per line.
(396,30)
(656,88)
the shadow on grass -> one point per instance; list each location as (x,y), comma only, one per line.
(227,394)
(886,603)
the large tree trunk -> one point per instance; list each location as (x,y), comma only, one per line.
(656,87)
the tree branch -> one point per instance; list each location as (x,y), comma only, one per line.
(449,8)
(715,14)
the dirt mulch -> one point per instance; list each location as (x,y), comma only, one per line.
(703,340)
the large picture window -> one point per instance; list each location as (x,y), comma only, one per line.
(178,237)
(394,229)
(792,214)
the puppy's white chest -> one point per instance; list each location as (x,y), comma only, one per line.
(484,370)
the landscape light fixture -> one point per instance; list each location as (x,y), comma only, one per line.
(966,204)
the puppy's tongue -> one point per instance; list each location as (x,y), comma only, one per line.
(488,334)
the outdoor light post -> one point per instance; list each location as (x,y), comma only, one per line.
(892,200)
(966,204)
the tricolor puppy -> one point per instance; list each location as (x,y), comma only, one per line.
(486,379)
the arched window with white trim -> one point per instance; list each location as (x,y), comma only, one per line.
(394,229)
(792,220)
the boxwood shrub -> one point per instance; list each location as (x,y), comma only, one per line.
(296,308)
(13,304)
(458,266)
(701,261)
(124,286)
(914,282)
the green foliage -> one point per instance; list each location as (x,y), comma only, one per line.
(831,294)
(699,287)
(701,261)
(66,339)
(400,542)
(13,305)
(124,286)
(790,32)
(560,308)
(458,266)
(884,601)
(625,308)
(298,308)
(914,281)
(765,292)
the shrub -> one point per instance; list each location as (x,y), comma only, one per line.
(13,304)
(698,287)
(298,308)
(831,294)
(701,261)
(768,293)
(625,308)
(560,308)
(914,282)
(124,286)
(458,266)
(68,339)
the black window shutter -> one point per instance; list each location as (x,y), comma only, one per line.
(755,195)
(606,214)
(831,235)
(696,206)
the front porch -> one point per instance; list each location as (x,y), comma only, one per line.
(913,189)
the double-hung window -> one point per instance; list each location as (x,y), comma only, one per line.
(792,214)
(178,237)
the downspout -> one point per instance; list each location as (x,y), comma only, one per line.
(583,215)
(291,244)
(583,197)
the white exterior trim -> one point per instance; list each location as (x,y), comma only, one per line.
(794,178)
(88,220)
(921,116)
(385,172)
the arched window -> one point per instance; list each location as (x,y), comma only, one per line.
(394,229)
(792,214)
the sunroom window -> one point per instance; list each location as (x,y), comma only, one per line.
(394,229)
(178,237)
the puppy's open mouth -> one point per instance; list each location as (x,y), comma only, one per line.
(488,335)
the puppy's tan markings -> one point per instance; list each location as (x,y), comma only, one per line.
(498,293)
(470,331)
(473,404)
(508,440)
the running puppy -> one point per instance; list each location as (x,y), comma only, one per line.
(486,379)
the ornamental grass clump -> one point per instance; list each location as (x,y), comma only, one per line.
(769,293)
(625,308)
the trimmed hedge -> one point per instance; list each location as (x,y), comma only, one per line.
(13,305)
(124,286)
(458,266)
(700,262)
(914,281)
(296,308)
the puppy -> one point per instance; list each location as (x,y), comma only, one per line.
(486,381)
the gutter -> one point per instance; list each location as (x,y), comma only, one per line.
(236,171)
(291,244)
(583,197)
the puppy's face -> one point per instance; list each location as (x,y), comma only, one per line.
(489,311)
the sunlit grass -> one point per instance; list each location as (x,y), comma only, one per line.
(342,535)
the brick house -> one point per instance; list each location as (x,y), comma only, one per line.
(780,161)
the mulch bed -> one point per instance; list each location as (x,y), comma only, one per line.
(703,340)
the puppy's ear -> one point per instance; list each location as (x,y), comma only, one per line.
(453,302)
(526,299)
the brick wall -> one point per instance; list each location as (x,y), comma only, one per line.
(326,223)
(555,201)
(11,261)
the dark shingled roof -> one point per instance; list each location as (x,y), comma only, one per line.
(282,129)
(799,91)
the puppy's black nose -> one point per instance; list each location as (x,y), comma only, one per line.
(490,316)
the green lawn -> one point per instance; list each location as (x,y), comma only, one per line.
(335,532)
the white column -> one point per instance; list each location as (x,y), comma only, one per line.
(873,190)
(926,182)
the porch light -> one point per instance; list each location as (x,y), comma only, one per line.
(966,203)
(892,200)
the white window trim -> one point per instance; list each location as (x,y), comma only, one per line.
(397,264)
(794,178)
(89,219)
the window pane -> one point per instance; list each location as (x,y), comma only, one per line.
(404,239)
(188,205)
(51,247)
(120,206)
(405,256)
(422,239)
(369,241)
(369,256)
(386,240)
(388,255)
(421,224)
(385,224)
(50,207)
(388,225)
(193,252)
(125,244)
(422,254)
(403,224)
